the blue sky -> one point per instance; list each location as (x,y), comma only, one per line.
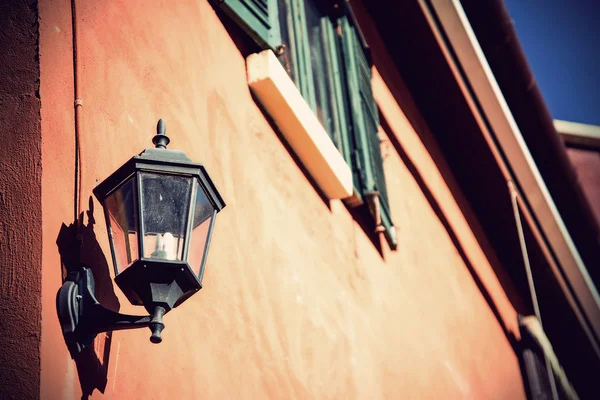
(561,39)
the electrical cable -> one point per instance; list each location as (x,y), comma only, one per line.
(534,299)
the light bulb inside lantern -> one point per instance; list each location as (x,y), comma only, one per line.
(166,246)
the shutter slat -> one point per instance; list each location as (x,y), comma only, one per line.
(259,18)
(260,9)
(337,89)
(263,9)
(304,78)
(353,59)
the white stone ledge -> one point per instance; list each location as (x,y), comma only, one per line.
(298,124)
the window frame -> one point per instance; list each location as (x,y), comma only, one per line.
(354,113)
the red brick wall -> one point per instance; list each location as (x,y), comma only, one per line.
(297,301)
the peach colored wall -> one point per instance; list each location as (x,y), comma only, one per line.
(297,302)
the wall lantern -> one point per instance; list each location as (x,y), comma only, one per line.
(160,210)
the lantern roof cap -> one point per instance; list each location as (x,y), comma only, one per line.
(167,155)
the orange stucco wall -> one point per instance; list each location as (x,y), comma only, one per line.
(297,301)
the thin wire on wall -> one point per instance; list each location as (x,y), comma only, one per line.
(78,104)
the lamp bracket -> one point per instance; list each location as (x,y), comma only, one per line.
(82,317)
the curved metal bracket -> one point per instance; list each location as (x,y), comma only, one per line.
(82,317)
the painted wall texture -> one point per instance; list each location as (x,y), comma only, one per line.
(20,201)
(297,300)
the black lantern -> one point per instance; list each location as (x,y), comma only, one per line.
(160,210)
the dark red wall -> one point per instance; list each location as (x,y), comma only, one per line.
(587,164)
(20,201)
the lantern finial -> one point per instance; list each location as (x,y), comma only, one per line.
(161,140)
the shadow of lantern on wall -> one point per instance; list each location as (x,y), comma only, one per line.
(160,211)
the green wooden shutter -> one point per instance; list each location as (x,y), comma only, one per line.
(301,45)
(260,18)
(337,88)
(365,145)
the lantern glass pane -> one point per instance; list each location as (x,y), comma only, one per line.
(204,212)
(123,225)
(165,204)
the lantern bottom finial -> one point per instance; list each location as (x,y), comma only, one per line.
(156,325)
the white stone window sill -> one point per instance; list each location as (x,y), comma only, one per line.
(277,93)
